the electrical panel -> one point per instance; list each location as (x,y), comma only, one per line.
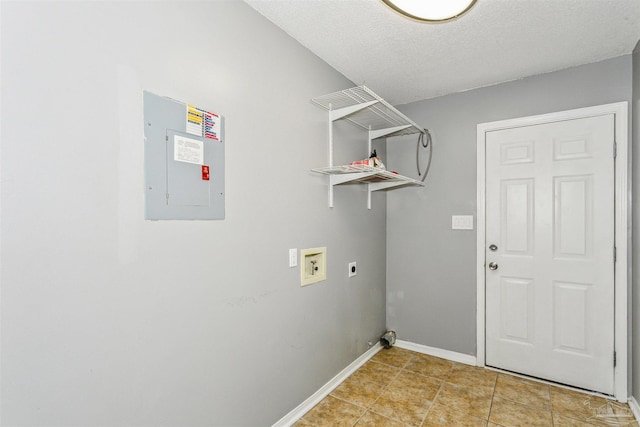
(184,161)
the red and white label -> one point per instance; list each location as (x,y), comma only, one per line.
(205,173)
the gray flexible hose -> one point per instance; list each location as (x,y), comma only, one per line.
(429,144)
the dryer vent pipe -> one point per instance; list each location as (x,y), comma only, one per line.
(388,339)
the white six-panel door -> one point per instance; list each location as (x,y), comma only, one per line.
(550,214)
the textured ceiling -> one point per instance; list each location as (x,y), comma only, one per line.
(496,41)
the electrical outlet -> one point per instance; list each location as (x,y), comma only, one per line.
(353,270)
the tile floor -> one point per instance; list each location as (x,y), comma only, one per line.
(399,387)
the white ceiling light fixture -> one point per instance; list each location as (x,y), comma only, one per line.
(431,10)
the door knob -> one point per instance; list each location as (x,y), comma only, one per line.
(493,248)
(493,266)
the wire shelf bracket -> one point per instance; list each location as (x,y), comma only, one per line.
(365,109)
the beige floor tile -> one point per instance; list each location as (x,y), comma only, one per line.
(332,412)
(511,414)
(574,404)
(624,414)
(612,413)
(518,379)
(401,388)
(408,398)
(471,401)
(562,421)
(370,419)
(440,415)
(426,387)
(523,391)
(376,373)
(358,391)
(429,366)
(393,356)
(395,407)
(471,376)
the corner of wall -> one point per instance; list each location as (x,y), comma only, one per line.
(634,255)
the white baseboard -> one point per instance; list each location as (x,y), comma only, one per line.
(635,408)
(438,352)
(324,391)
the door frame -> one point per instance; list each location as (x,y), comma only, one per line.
(622,232)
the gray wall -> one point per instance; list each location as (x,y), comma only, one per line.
(635,312)
(431,278)
(108,319)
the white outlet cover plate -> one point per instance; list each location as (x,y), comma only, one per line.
(293,257)
(462,222)
(354,267)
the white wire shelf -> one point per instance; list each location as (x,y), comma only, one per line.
(379,179)
(362,107)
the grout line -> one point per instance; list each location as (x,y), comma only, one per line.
(493,395)
(442,382)
(416,356)
(400,370)
(432,403)
(403,369)
(538,408)
(316,398)
(473,388)
(385,389)
(381,393)
(550,383)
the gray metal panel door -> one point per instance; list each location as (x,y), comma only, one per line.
(177,187)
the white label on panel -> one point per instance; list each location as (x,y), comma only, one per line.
(203,123)
(188,150)
(195,120)
(212,126)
